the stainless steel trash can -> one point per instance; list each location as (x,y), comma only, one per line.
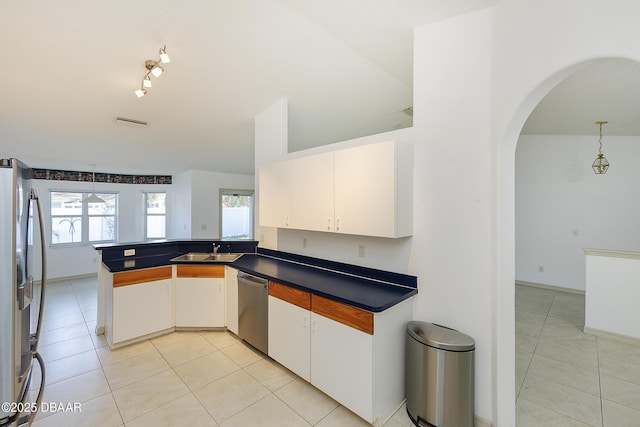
(439,376)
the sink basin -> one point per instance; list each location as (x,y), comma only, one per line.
(223,257)
(209,257)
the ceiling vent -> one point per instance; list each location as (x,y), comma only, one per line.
(131,122)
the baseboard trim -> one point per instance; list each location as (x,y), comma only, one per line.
(481,422)
(66,278)
(611,335)
(549,287)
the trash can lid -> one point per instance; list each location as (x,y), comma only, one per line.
(440,336)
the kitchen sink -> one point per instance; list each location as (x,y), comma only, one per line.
(209,257)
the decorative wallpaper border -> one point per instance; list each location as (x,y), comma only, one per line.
(61,175)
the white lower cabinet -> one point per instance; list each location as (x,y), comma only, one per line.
(231,284)
(199,296)
(342,364)
(141,309)
(199,302)
(289,336)
(335,347)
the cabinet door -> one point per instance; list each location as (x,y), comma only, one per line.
(342,364)
(275,194)
(231,282)
(200,302)
(366,198)
(312,192)
(142,309)
(289,336)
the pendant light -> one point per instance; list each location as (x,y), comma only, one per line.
(600,164)
(93,198)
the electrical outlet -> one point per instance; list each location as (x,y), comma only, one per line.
(129,252)
(304,242)
(541,269)
(361,251)
(574,233)
(204,227)
(261,237)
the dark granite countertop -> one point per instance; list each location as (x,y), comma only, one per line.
(368,294)
(365,288)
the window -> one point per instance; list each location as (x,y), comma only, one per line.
(76,222)
(236,214)
(155,212)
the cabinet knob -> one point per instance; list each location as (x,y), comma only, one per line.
(337,224)
(329,224)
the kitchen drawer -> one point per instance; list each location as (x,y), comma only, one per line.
(196,270)
(347,315)
(291,295)
(141,276)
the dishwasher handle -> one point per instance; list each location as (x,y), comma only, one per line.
(257,281)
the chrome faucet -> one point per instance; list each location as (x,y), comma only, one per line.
(215,248)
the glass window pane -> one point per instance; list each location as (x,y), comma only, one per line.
(63,203)
(237,216)
(155,226)
(156,203)
(107,208)
(101,228)
(66,230)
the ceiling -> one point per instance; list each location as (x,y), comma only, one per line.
(70,67)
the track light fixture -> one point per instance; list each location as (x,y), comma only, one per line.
(153,69)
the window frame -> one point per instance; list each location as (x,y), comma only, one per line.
(84,217)
(236,192)
(146,215)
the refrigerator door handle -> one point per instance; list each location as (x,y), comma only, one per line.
(33,195)
(25,294)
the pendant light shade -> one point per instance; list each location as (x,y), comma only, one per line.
(93,198)
(600,164)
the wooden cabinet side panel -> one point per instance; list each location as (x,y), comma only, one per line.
(351,316)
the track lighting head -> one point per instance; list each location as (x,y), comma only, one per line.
(164,58)
(153,68)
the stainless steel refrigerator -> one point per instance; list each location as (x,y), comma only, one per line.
(21,296)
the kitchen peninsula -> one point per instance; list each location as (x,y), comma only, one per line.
(340,327)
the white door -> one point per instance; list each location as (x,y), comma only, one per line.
(342,364)
(289,336)
(275,194)
(312,192)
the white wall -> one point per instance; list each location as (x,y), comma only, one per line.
(562,207)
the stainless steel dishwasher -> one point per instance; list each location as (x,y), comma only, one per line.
(253,310)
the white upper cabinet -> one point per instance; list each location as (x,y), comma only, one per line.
(374,191)
(275,194)
(312,193)
(365,190)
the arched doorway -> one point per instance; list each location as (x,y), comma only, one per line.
(507,212)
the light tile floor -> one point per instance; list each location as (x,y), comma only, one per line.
(180,379)
(565,377)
